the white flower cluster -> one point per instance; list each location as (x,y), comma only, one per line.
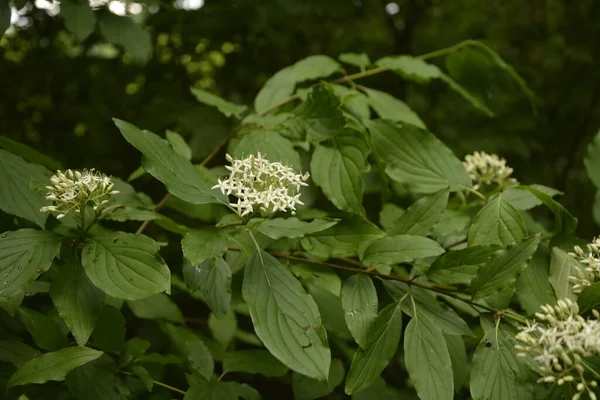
(256,181)
(487,168)
(590,264)
(559,341)
(73,190)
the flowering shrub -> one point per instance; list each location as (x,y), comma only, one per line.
(335,248)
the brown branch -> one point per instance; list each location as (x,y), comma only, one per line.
(364,269)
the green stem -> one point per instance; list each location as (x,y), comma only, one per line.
(82,212)
(258,249)
(157,383)
(478,194)
(378,70)
(590,369)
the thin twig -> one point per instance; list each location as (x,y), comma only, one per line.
(157,383)
(206,160)
(433,287)
(378,70)
(366,270)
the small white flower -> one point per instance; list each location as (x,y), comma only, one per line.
(589,265)
(72,191)
(487,168)
(558,342)
(257,182)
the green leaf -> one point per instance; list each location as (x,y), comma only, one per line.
(134,349)
(24,255)
(330,308)
(592,160)
(315,67)
(44,330)
(497,222)
(17,197)
(285,317)
(227,108)
(128,213)
(281,85)
(16,352)
(109,334)
(198,245)
(192,348)
(533,288)
(428,307)
(419,71)
(458,356)
(422,215)
(211,390)
(497,373)
(391,108)
(180,177)
(360,60)
(277,228)
(212,278)
(342,239)
(562,267)
(321,112)
(125,266)
(337,167)
(472,255)
(179,144)
(380,391)
(272,146)
(427,359)
(460,266)
(276,90)
(308,389)
(254,362)
(52,366)
(384,336)
(95,380)
(79,18)
(522,199)
(411,68)
(29,154)
(223,329)
(76,300)
(589,298)
(416,158)
(318,275)
(353,101)
(388,216)
(564,222)
(359,301)
(451,222)
(143,374)
(123,31)
(496,280)
(158,306)
(400,248)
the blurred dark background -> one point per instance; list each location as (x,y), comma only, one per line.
(58,93)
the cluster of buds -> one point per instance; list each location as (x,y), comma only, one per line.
(256,181)
(487,168)
(73,190)
(559,341)
(590,265)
